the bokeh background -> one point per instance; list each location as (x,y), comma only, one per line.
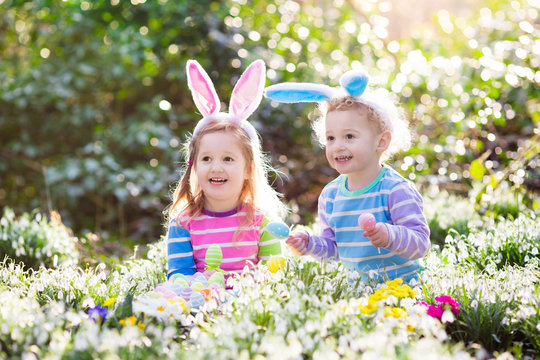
(94,104)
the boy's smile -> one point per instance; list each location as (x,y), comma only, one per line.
(352,146)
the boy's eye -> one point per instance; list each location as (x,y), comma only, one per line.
(329,138)
(349,136)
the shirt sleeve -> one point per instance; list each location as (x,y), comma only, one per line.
(323,246)
(179,251)
(268,245)
(409,231)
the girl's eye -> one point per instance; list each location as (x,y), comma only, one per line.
(329,138)
(349,136)
(206,158)
(228,158)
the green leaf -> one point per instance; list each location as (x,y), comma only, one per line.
(477,170)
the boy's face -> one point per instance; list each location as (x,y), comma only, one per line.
(351,142)
(221,170)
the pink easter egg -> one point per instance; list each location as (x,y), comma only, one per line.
(367,222)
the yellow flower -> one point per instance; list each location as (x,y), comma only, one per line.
(394,283)
(161,308)
(109,302)
(395,312)
(368,309)
(132,319)
(377,295)
(411,328)
(141,326)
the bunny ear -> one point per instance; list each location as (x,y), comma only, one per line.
(247,92)
(202,89)
(299,92)
(354,82)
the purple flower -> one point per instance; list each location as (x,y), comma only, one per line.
(97,313)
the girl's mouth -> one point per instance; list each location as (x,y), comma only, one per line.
(217,181)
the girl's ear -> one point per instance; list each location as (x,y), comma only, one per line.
(384,141)
(202,89)
(247,93)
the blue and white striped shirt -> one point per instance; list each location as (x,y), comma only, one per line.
(394,201)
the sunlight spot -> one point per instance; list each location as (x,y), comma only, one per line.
(44,53)
(165,105)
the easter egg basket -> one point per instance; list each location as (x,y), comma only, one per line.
(187,294)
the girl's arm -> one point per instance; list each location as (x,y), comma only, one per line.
(179,251)
(268,245)
(408,236)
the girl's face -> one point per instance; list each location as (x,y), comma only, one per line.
(352,144)
(221,171)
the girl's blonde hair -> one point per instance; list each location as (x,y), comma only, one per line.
(256,194)
(382,111)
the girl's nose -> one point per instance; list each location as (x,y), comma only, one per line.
(216,166)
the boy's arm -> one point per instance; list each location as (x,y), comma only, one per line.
(179,251)
(268,245)
(408,236)
(323,246)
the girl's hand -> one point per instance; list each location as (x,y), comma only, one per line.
(378,236)
(298,242)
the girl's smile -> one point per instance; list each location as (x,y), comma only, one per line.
(221,170)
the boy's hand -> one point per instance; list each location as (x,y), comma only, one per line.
(378,236)
(298,242)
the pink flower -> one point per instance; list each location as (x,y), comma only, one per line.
(435,311)
(448,300)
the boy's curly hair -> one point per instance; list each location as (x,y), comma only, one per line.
(382,111)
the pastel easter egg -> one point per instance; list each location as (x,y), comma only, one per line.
(180,280)
(176,288)
(213,256)
(178,277)
(278,230)
(186,293)
(367,222)
(196,300)
(276,263)
(197,286)
(217,277)
(198,277)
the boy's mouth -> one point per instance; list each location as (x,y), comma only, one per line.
(343,158)
(217,181)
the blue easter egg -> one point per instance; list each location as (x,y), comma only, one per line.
(196,300)
(278,230)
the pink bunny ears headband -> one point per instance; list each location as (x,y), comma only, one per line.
(353,82)
(245,98)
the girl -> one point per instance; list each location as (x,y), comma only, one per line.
(359,131)
(223,197)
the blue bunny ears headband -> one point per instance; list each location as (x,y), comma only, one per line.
(353,83)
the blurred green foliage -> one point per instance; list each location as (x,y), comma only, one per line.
(94,104)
